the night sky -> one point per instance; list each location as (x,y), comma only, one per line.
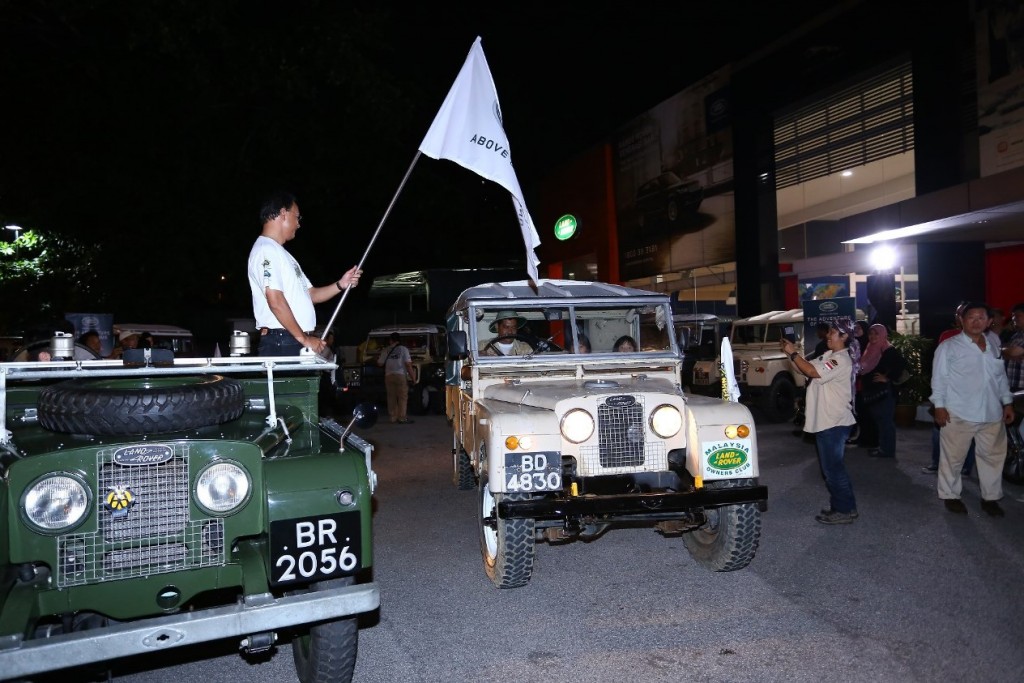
(153,128)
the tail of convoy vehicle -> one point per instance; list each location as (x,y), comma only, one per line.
(155,502)
(364,381)
(562,444)
(767,378)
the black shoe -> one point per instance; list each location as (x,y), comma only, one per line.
(956,505)
(852,442)
(833,517)
(828,511)
(930,469)
(878,453)
(992,508)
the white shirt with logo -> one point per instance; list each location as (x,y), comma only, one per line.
(270,265)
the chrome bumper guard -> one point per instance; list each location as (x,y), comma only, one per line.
(255,614)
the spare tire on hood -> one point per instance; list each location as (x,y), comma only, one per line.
(132,405)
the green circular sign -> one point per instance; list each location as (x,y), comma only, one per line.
(565,227)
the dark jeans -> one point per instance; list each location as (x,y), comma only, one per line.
(883,415)
(274,344)
(831,447)
(868,434)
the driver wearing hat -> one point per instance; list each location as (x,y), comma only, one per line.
(506,326)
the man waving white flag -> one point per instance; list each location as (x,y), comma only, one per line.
(468,131)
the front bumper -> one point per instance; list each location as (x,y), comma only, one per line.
(639,504)
(256,614)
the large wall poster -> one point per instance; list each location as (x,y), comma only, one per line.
(999,35)
(673,183)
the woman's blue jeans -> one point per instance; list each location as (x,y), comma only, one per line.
(831,448)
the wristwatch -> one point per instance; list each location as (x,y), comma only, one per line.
(793,356)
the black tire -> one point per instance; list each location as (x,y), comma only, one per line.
(730,538)
(327,652)
(129,406)
(463,476)
(419,399)
(779,402)
(508,547)
(672,210)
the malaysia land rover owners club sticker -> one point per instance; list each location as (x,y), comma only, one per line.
(727,458)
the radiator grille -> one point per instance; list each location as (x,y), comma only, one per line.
(150,533)
(621,439)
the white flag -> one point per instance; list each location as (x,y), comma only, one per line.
(468,131)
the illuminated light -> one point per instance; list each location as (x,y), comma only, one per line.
(666,421)
(883,257)
(846,174)
(511,443)
(743,431)
(577,425)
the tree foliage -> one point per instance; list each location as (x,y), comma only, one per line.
(44,276)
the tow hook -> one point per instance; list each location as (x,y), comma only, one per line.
(258,642)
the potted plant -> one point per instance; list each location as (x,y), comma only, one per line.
(916,389)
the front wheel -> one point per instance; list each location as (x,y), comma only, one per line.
(327,652)
(779,400)
(729,539)
(507,545)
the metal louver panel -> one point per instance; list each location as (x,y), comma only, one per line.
(867,122)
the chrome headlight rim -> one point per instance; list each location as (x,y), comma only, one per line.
(673,413)
(76,478)
(570,416)
(203,504)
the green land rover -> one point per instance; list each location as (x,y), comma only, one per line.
(152,503)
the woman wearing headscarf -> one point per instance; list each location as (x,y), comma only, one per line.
(865,434)
(830,414)
(878,392)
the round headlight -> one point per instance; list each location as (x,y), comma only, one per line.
(56,502)
(577,425)
(666,421)
(222,487)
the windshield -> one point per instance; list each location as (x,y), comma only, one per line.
(416,343)
(573,329)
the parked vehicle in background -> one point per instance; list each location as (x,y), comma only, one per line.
(426,343)
(158,502)
(564,443)
(176,339)
(704,333)
(766,377)
(667,196)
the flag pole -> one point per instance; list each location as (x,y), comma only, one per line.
(373,239)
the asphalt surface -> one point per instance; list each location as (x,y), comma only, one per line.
(909,592)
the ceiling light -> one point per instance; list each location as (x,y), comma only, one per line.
(846,174)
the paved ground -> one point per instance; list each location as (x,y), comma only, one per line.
(909,592)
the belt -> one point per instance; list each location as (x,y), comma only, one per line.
(277,332)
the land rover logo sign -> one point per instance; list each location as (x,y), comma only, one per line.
(143,454)
(727,458)
(828,307)
(620,401)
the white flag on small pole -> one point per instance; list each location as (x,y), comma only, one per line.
(468,130)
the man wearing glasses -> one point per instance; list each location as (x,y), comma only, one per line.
(282,296)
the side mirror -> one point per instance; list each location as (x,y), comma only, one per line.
(365,415)
(684,338)
(458,348)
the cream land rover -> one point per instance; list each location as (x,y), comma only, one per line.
(561,443)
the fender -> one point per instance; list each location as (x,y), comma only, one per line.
(707,420)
